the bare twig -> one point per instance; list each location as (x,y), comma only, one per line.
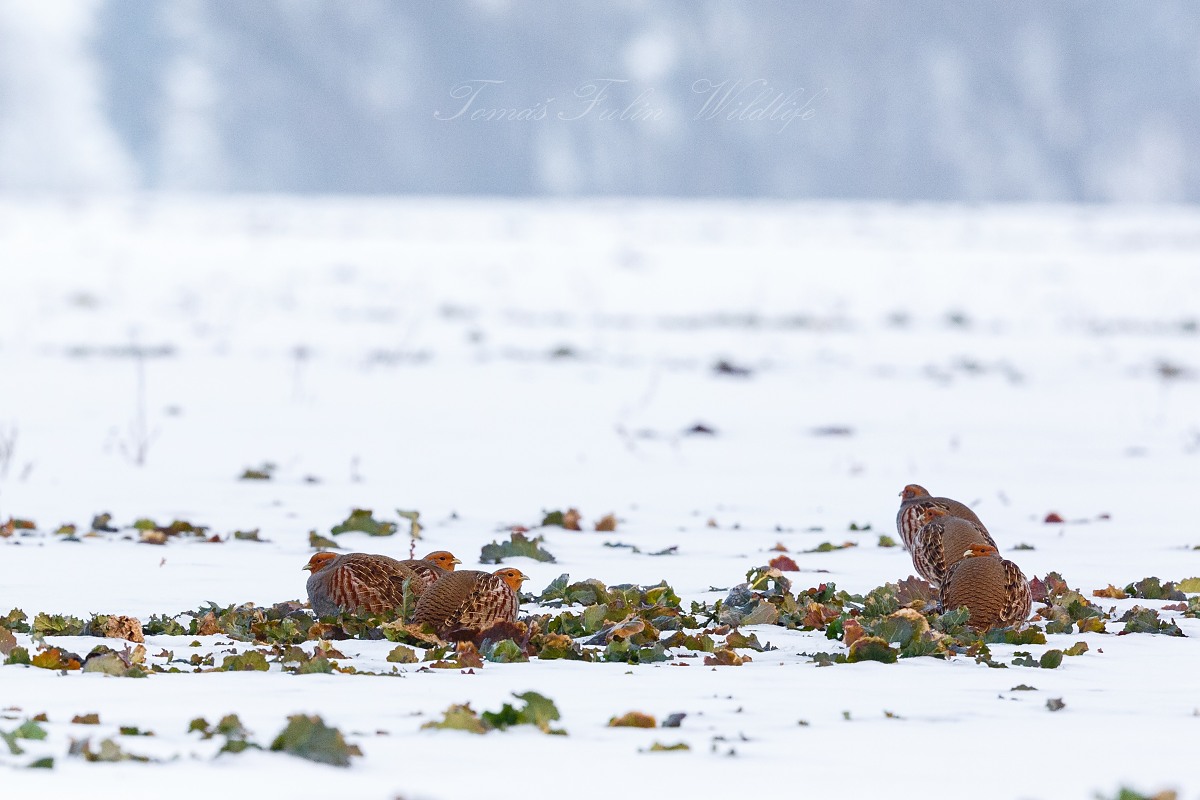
(8,446)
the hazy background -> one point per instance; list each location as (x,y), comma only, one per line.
(942,101)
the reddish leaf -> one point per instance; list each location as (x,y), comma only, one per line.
(784,564)
(913,588)
(1053,516)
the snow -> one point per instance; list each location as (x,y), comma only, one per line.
(403,353)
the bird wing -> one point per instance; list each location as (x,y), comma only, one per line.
(491,601)
(928,554)
(1018,599)
(367,584)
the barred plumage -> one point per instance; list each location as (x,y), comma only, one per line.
(470,601)
(993,589)
(914,500)
(941,541)
(368,583)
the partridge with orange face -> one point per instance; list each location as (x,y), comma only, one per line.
(993,589)
(369,583)
(941,542)
(470,601)
(914,500)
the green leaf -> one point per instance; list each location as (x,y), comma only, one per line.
(1189,585)
(633,719)
(519,545)
(556,589)
(553,518)
(319,542)
(57,625)
(29,730)
(1050,659)
(309,737)
(887,541)
(871,648)
(15,621)
(402,655)
(360,519)
(504,652)
(262,473)
(659,747)
(251,660)
(458,718)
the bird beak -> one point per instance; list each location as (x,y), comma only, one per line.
(306,567)
(456,561)
(524,577)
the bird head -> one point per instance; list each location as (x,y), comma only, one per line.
(931,513)
(319,561)
(513,577)
(976,550)
(913,491)
(443,559)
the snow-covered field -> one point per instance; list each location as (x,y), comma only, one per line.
(485,362)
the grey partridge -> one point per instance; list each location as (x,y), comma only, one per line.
(993,589)
(470,601)
(941,542)
(914,499)
(370,583)
(425,571)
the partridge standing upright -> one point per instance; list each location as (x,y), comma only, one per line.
(470,601)
(914,499)
(941,542)
(993,589)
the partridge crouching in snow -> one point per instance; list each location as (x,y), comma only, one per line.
(941,542)
(371,583)
(470,601)
(915,499)
(993,589)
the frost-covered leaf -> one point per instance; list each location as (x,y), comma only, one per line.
(309,737)
(1055,704)
(659,747)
